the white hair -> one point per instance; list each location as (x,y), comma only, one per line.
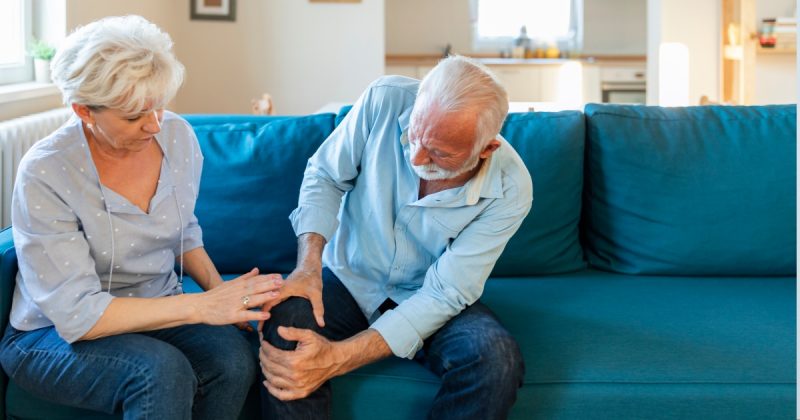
(121,62)
(457,84)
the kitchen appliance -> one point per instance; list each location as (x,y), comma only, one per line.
(623,85)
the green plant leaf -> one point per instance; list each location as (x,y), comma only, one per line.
(41,50)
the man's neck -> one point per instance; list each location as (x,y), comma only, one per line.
(427,188)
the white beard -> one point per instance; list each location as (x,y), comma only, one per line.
(433,172)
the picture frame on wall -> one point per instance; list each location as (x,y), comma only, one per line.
(213,10)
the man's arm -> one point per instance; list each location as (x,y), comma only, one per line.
(456,279)
(292,375)
(306,279)
(453,282)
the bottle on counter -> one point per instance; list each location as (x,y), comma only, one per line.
(521,43)
(538,49)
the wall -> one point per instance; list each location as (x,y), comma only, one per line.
(694,23)
(435,23)
(85,11)
(615,27)
(304,54)
(776,75)
(610,26)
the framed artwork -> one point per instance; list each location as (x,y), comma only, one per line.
(213,9)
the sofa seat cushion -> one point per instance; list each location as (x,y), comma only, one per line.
(604,345)
(251,179)
(707,190)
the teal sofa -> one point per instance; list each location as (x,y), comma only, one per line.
(653,279)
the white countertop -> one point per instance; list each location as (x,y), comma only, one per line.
(334,107)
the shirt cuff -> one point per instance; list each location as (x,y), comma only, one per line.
(311,219)
(399,334)
(80,321)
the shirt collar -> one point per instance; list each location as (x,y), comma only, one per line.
(488,182)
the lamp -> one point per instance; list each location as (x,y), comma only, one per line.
(673,74)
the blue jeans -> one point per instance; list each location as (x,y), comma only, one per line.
(191,371)
(477,359)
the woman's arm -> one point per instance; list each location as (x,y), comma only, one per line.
(228,303)
(199,266)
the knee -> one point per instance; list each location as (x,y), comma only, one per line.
(165,370)
(502,360)
(495,358)
(236,364)
(293,312)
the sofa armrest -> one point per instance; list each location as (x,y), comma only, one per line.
(8,274)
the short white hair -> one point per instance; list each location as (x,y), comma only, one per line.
(122,62)
(458,83)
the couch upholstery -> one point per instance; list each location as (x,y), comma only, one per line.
(654,277)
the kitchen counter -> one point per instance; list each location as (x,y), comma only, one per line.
(548,80)
(492,60)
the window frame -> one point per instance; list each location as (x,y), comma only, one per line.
(21,72)
(504,43)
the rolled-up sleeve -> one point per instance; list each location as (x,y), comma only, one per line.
(331,171)
(56,268)
(457,278)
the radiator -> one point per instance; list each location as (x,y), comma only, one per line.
(16,137)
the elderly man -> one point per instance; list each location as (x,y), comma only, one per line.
(427,195)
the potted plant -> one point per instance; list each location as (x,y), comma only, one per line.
(41,52)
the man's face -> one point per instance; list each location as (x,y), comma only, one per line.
(442,146)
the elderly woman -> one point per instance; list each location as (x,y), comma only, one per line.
(102,210)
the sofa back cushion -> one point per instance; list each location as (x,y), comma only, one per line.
(251,178)
(691,191)
(552,146)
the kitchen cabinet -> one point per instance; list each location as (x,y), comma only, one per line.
(521,82)
(408,71)
(591,84)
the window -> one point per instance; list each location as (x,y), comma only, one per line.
(15,26)
(497,22)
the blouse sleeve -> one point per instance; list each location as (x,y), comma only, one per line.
(56,267)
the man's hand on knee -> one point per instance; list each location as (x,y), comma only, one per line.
(305,284)
(292,375)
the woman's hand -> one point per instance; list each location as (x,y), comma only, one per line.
(230,303)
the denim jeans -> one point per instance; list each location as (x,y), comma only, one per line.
(191,371)
(477,359)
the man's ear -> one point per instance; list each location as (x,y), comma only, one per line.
(83,112)
(487,151)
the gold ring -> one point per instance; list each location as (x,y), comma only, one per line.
(246,301)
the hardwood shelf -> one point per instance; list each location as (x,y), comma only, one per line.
(776,51)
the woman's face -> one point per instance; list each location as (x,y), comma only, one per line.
(123,132)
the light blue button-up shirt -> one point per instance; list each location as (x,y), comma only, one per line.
(431,255)
(68,228)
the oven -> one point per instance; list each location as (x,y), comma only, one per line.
(623,85)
